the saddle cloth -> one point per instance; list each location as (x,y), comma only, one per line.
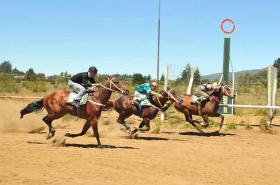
(194,98)
(73,95)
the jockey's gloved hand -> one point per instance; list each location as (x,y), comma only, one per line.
(90,90)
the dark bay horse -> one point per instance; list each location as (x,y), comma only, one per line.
(208,109)
(123,105)
(56,106)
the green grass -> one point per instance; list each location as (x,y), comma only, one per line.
(248,127)
(231,126)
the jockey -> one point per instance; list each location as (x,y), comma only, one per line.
(203,93)
(81,83)
(143,91)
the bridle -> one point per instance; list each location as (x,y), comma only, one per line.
(225,91)
(170,96)
(121,91)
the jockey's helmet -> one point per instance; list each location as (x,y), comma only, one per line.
(215,85)
(92,69)
(155,84)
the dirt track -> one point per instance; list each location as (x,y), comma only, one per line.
(175,156)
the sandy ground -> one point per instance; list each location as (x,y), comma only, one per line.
(174,156)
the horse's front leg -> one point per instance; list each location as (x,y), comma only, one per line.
(145,122)
(87,125)
(94,125)
(205,124)
(222,120)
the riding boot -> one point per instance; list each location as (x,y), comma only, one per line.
(137,104)
(78,106)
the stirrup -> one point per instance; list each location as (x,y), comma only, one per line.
(199,108)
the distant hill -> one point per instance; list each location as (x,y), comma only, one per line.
(216,76)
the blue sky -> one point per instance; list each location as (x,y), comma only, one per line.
(120,36)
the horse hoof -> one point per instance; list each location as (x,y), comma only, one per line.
(100,146)
(67,135)
(49,136)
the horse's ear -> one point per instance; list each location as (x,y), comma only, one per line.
(109,77)
(168,88)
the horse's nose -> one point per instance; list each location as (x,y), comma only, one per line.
(126,92)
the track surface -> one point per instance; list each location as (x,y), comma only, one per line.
(175,156)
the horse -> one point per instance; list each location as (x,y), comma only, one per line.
(208,109)
(56,105)
(123,105)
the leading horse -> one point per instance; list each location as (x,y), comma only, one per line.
(209,109)
(56,105)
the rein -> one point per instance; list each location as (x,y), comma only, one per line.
(110,88)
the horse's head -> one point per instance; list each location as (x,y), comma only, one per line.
(170,95)
(227,91)
(114,84)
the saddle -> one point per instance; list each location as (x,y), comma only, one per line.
(73,95)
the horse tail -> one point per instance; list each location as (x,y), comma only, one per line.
(32,107)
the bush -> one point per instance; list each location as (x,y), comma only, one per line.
(35,86)
(263,124)
(248,127)
(8,84)
(261,112)
(231,126)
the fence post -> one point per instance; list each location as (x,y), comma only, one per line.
(189,89)
(271,91)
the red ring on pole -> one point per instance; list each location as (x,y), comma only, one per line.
(227,21)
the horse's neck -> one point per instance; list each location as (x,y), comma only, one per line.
(103,96)
(216,99)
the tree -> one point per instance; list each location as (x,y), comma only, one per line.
(137,78)
(197,77)
(162,78)
(6,67)
(30,74)
(186,73)
(17,72)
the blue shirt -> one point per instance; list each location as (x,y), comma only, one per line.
(144,88)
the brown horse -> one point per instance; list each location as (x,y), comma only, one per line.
(123,105)
(56,106)
(209,108)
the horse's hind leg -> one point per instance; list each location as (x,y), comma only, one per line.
(87,125)
(192,122)
(121,121)
(48,119)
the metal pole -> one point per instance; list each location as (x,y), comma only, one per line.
(158,40)
(226,59)
(166,78)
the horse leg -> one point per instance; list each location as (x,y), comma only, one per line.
(222,120)
(48,119)
(94,125)
(192,122)
(87,125)
(136,129)
(146,123)
(205,119)
(121,121)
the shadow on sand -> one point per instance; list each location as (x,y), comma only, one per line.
(206,134)
(86,145)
